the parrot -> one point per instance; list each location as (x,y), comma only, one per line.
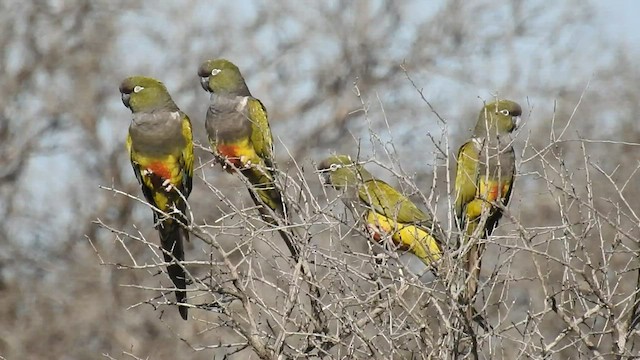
(385,211)
(160,145)
(484,178)
(238,129)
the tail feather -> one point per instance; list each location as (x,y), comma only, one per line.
(265,188)
(265,192)
(172,238)
(634,319)
(473,266)
(476,230)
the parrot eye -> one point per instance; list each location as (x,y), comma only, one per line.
(504,112)
(215,72)
(334,167)
(137,89)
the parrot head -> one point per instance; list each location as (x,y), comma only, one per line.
(499,117)
(221,76)
(141,93)
(340,171)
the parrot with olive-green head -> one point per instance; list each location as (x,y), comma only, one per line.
(385,211)
(160,145)
(238,129)
(484,180)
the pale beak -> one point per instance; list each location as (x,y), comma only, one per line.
(125,99)
(204,82)
(516,122)
(326,176)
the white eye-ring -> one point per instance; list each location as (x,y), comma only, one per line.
(504,112)
(335,167)
(137,89)
(215,72)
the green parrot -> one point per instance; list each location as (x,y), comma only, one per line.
(239,133)
(160,144)
(484,178)
(386,212)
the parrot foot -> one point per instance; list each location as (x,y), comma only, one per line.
(167,185)
(246,163)
(374,232)
(380,258)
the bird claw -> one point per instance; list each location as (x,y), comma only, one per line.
(374,232)
(380,258)
(246,163)
(167,185)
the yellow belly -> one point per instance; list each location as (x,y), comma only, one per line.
(406,237)
(241,153)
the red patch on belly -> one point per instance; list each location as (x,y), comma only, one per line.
(493,193)
(231,153)
(160,169)
(228,150)
(375,232)
(505,189)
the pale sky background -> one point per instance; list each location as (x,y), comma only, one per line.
(621,20)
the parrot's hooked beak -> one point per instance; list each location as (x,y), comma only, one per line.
(204,75)
(326,177)
(204,82)
(516,122)
(125,99)
(325,171)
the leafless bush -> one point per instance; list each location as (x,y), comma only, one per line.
(563,286)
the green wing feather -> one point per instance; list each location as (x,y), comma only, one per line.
(187,156)
(386,200)
(261,137)
(412,229)
(262,142)
(466,183)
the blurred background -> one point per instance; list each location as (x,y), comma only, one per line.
(342,76)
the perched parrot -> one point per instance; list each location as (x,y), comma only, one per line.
(239,133)
(160,144)
(484,178)
(385,211)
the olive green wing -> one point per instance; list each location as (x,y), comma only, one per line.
(186,161)
(413,225)
(261,137)
(466,182)
(386,200)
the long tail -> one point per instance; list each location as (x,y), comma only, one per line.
(268,198)
(265,188)
(481,228)
(634,319)
(473,265)
(473,262)
(268,194)
(172,238)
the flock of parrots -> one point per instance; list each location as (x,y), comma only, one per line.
(160,144)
